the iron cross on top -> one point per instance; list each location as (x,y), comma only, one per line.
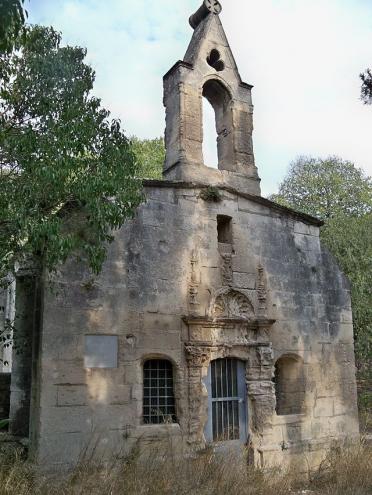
(213,6)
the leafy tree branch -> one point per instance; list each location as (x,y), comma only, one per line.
(60,153)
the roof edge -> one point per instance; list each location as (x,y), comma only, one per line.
(257,199)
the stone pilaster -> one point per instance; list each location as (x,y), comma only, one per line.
(197,358)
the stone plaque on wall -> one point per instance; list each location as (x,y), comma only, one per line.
(101,351)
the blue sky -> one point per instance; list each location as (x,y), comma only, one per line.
(302,56)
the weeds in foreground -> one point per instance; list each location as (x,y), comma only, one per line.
(346,471)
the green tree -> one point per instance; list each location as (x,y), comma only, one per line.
(341,195)
(350,240)
(326,188)
(59,154)
(12,19)
(366,78)
(150,155)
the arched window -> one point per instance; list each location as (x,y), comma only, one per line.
(210,154)
(220,100)
(158,392)
(227,404)
(289,385)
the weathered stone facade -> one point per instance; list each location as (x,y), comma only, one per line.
(192,280)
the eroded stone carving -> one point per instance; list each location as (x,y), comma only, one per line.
(232,304)
(261,291)
(194,279)
(266,355)
(226,269)
(197,356)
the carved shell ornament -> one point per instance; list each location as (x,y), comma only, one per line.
(232,304)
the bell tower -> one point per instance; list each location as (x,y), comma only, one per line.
(209,71)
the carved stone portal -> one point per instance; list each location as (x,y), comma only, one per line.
(260,388)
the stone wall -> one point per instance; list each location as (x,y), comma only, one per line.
(170,290)
(4,395)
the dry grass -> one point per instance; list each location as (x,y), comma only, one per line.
(346,471)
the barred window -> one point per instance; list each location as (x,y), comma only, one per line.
(158,393)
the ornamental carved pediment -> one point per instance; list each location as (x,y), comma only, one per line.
(231,303)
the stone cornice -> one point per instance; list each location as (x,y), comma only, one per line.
(303,217)
(180,63)
(259,322)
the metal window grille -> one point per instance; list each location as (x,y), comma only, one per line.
(225,400)
(158,392)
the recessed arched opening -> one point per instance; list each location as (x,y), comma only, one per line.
(289,386)
(217,126)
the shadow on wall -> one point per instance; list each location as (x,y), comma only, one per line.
(131,306)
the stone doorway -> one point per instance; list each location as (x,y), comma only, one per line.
(239,340)
(227,401)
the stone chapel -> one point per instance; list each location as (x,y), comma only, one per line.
(219,319)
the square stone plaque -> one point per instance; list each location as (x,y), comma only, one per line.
(101,351)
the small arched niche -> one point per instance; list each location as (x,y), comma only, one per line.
(218,97)
(289,385)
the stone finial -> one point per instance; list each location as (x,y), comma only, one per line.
(207,7)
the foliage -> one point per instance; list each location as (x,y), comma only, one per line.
(340,194)
(326,188)
(150,156)
(211,194)
(350,240)
(6,339)
(366,78)
(4,423)
(68,175)
(12,19)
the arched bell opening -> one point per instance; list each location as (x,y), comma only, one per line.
(219,98)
